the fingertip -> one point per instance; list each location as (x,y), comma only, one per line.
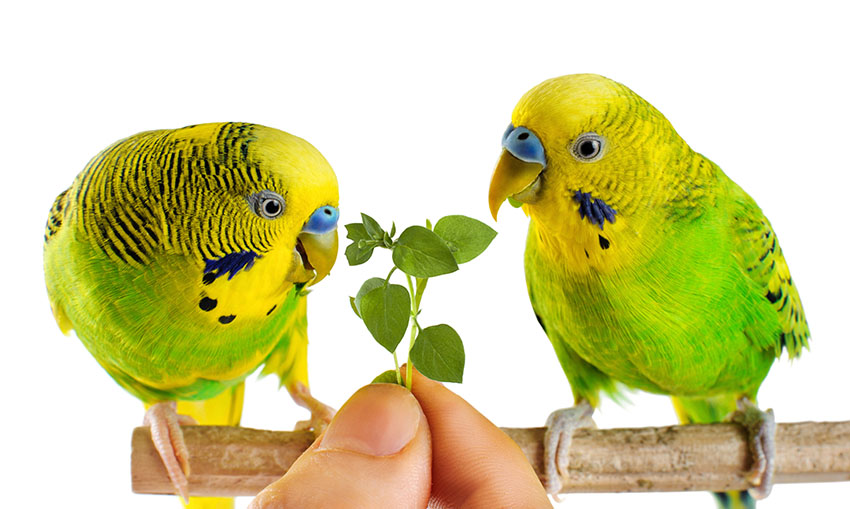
(378,420)
(475,464)
(376,452)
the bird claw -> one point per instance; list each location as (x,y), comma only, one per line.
(761,432)
(560,427)
(168,439)
(320,413)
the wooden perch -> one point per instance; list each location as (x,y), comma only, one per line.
(229,461)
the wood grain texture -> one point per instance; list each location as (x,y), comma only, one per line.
(229,461)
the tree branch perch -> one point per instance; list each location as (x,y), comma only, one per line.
(228,461)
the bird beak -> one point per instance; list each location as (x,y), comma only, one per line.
(318,253)
(317,246)
(518,170)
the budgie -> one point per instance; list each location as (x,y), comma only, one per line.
(182,258)
(645,265)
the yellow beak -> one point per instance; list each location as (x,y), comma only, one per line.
(512,177)
(318,253)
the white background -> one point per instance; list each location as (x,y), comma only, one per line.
(408,104)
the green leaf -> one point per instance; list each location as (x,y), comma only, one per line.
(514,203)
(421,253)
(354,307)
(438,354)
(386,313)
(369,285)
(356,254)
(469,237)
(387,377)
(355,232)
(372,227)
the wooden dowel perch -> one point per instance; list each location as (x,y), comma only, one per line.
(228,461)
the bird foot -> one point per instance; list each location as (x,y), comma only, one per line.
(167,437)
(320,413)
(560,427)
(761,431)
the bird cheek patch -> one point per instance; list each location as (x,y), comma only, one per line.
(230,263)
(596,210)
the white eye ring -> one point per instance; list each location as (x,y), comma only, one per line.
(270,208)
(588,147)
(267,204)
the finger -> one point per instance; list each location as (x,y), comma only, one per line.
(474,463)
(376,452)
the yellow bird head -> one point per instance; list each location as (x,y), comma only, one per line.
(272,197)
(236,198)
(584,138)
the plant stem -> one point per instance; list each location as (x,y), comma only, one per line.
(397,368)
(395,356)
(421,283)
(414,303)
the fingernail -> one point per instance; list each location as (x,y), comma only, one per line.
(377,420)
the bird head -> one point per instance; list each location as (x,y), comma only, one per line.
(265,204)
(583,136)
(304,211)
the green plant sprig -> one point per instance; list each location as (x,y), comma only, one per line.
(389,309)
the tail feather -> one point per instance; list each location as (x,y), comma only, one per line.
(222,410)
(706,411)
(734,500)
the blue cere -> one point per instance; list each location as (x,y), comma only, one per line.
(524,145)
(323,220)
(508,131)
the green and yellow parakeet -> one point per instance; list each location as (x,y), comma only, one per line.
(645,264)
(180,257)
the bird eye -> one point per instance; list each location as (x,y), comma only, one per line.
(588,147)
(271,208)
(267,204)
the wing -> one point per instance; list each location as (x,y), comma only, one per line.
(760,257)
(55,220)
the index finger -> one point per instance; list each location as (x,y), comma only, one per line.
(475,464)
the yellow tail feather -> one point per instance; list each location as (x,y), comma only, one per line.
(222,410)
(708,410)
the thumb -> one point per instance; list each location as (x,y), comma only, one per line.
(376,452)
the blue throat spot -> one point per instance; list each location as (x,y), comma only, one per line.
(228,264)
(596,210)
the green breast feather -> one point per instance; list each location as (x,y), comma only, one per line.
(704,311)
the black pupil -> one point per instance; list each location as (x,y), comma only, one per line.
(272,207)
(588,148)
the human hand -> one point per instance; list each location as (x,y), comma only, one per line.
(387,447)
